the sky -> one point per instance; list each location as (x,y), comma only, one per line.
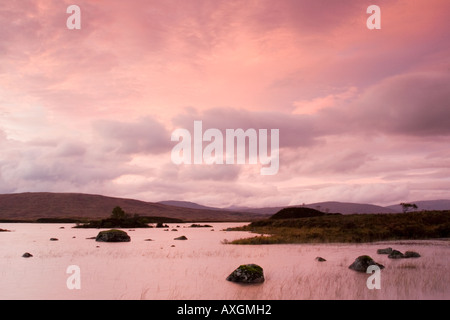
(363,115)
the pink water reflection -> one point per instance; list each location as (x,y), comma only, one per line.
(196,268)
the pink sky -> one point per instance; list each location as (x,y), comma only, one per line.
(364,115)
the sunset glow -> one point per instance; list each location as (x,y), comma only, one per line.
(363,115)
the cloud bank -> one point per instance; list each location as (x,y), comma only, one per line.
(363,115)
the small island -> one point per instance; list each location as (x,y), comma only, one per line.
(297,225)
(120,219)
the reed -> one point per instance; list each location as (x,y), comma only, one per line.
(355,228)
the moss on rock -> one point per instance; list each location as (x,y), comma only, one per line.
(247,273)
(113,235)
(363,262)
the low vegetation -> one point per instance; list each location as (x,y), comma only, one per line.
(120,219)
(353,228)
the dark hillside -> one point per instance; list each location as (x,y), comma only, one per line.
(297,212)
(32,206)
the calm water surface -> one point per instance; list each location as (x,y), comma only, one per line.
(196,268)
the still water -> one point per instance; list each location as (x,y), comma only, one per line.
(169,269)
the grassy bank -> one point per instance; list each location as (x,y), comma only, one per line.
(355,228)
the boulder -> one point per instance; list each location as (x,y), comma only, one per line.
(27,255)
(53,239)
(247,273)
(113,235)
(395,254)
(362,263)
(411,254)
(384,251)
(180,238)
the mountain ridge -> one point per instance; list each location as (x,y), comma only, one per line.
(346,207)
(35,205)
(327,207)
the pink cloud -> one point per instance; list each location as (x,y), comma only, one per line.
(93,109)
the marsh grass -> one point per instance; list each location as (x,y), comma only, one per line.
(356,228)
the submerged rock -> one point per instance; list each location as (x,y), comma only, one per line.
(247,273)
(362,263)
(195,225)
(411,254)
(395,254)
(384,251)
(113,235)
(320,259)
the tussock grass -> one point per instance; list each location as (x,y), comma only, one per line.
(355,228)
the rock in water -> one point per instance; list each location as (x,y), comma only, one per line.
(362,263)
(113,235)
(320,259)
(395,254)
(411,254)
(27,255)
(247,273)
(384,251)
(180,238)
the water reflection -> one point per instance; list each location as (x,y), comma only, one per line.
(196,268)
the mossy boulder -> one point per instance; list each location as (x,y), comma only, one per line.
(247,273)
(113,235)
(363,262)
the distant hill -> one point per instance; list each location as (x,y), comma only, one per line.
(327,207)
(32,206)
(350,208)
(261,210)
(187,204)
(425,205)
